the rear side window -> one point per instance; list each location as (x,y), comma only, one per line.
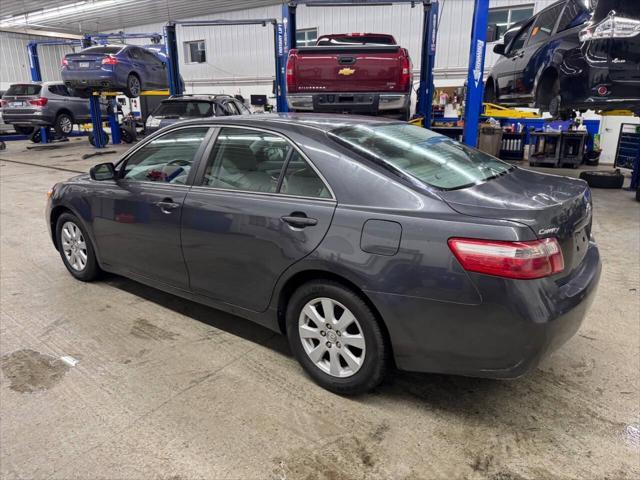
(543,26)
(301,179)
(572,16)
(59,90)
(356,40)
(432,159)
(183,109)
(246,160)
(24,89)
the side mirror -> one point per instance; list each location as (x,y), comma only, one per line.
(499,48)
(103,171)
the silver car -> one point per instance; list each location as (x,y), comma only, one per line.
(28,105)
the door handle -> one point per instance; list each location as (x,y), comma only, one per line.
(167,205)
(299,220)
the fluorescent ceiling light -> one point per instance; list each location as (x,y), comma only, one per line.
(58,12)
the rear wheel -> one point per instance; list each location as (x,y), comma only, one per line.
(134,87)
(92,138)
(490,93)
(336,338)
(75,248)
(63,124)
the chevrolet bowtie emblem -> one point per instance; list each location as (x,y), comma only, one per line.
(346,71)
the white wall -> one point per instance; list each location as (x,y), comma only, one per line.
(240,58)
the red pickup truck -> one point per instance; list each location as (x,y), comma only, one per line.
(367,73)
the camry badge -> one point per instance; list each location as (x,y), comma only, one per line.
(346,71)
(547,231)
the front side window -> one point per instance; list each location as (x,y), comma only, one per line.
(543,26)
(431,158)
(195,52)
(520,39)
(166,159)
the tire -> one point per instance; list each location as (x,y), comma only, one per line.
(79,258)
(405,114)
(126,135)
(133,87)
(35,136)
(20,130)
(638,194)
(92,139)
(63,124)
(489,93)
(604,179)
(367,365)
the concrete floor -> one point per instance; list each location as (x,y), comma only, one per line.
(165,388)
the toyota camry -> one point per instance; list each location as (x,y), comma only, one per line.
(370,243)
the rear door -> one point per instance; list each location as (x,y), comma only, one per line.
(260,206)
(505,71)
(533,56)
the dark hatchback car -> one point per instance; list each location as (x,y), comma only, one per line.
(125,68)
(365,240)
(568,57)
(188,107)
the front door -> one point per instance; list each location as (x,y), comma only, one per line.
(514,54)
(260,207)
(137,227)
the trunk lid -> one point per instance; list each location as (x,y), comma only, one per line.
(368,68)
(84,61)
(552,206)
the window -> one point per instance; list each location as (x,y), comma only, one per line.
(246,160)
(306,37)
(23,89)
(302,180)
(195,51)
(231,108)
(166,159)
(521,39)
(135,53)
(59,90)
(183,109)
(505,18)
(572,16)
(253,161)
(242,108)
(543,26)
(150,57)
(424,155)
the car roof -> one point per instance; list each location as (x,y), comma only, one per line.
(200,97)
(286,121)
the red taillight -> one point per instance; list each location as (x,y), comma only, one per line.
(405,74)
(38,102)
(290,72)
(109,60)
(522,260)
(3,103)
(65,62)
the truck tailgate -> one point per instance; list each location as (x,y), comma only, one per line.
(349,69)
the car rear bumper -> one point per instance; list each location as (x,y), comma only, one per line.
(347,102)
(517,324)
(89,78)
(28,119)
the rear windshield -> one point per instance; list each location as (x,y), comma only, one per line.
(624,8)
(103,50)
(431,158)
(26,89)
(184,109)
(356,40)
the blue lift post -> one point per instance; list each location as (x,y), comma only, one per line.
(171,42)
(36,73)
(475,82)
(429,35)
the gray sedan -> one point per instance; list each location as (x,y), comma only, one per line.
(368,242)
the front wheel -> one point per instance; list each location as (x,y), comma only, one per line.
(336,337)
(75,248)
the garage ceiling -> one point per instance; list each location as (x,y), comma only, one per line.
(112,15)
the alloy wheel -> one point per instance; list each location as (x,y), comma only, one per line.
(134,86)
(74,246)
(332,337)
(65,125)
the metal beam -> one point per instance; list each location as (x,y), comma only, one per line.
(475,75)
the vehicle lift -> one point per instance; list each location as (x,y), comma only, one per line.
(280,52)
(36,73)
(99,135)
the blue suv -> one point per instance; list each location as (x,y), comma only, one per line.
(124,68)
